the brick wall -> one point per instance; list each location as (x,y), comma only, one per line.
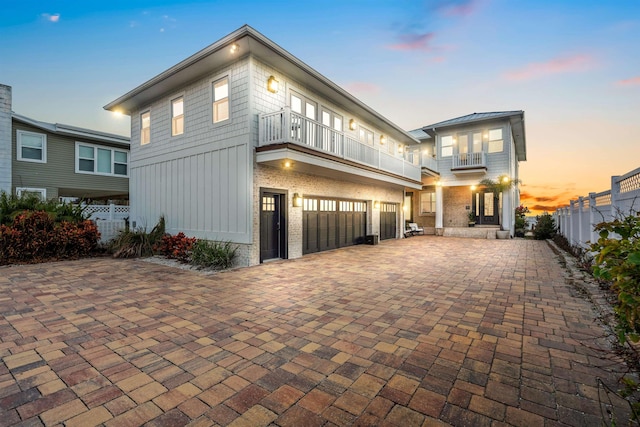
(455,201)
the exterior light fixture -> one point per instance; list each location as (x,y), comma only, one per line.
(473,188)
(383,139)
(352,124)
(234,48)
(505,179)
(297,200)
(376,205)
(272,85)
(400,148)
(439,183)
(486,135)
(288,164)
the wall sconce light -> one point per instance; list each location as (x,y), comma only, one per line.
(297,200)
(473,188)
(352,124)
(485,135)
(505,179)
(400,148)
(376,205)
(439,183)
(272,84)
(234,48)
(383,139)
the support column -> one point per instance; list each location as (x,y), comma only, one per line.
(439,211)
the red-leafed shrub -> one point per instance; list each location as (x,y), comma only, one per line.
(34,236)
(176,247)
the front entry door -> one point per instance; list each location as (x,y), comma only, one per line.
(272,226)
(486,208)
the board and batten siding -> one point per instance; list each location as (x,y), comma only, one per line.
(59,170)
(200,181)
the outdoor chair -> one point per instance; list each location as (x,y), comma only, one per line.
(415,229)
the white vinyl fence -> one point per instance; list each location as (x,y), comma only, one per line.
(109,219)
(576,221)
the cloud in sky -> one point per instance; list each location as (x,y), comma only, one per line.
(456,7)
(361,87)
(548,203)
(560,65)
(51,17)
(633,81)
(413,42)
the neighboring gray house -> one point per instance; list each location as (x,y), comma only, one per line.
(243,142)
(455,156)
(60,161)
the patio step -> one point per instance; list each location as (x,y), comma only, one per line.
(471,232)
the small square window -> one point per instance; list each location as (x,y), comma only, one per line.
(32,147)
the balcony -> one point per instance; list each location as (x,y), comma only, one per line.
(469,163)
(294,134)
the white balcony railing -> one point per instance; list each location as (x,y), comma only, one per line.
(469,160)
(285,126)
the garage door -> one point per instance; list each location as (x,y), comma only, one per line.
(388,214)
(332,223)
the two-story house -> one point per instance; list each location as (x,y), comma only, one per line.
(456,155)
(59,161)
(243,142)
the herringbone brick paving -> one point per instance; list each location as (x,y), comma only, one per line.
(414,332)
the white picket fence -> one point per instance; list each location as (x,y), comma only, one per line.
(576,221)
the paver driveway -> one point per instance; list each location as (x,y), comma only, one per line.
(413,332)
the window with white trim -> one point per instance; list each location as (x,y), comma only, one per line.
(366,136)
(99,160)
(31,147)
(427,202)
(25,191)
(447,146)
(177,116)
(495,144)
(221,100)
(145,128)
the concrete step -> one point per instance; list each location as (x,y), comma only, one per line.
(471,232)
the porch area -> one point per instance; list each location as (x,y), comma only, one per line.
(477,232)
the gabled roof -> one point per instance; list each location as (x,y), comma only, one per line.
(72,131)
(419,134)
(516,118)
(248,41)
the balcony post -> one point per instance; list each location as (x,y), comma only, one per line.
(286,131)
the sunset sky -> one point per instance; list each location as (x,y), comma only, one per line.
(572,66)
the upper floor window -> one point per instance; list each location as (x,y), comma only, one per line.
(221,100)
(95,159)
(331,119)
(495,144)
(177,116)
(365,136)
(145,128)
(303,106)
(32,147)
(447,146)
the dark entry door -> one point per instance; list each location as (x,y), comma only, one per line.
(388,220)
(486,207)
(272,226)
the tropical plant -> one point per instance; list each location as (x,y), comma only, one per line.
(206,253)
(137,242)
(176,247)
(498,186)
(12,205)
(521,220)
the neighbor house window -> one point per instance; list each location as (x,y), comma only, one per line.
(32,147)
(26,191)
(221,100)
(95,159)
(427,202)
(447,146)
(177,116)
(495,144)
(145,128)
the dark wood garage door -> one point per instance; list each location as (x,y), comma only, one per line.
(332,223)
(388,214)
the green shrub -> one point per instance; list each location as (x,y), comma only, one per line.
(618,262)
(206,253)
(176,247)
(545,227)
(11,205)
(137,242)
